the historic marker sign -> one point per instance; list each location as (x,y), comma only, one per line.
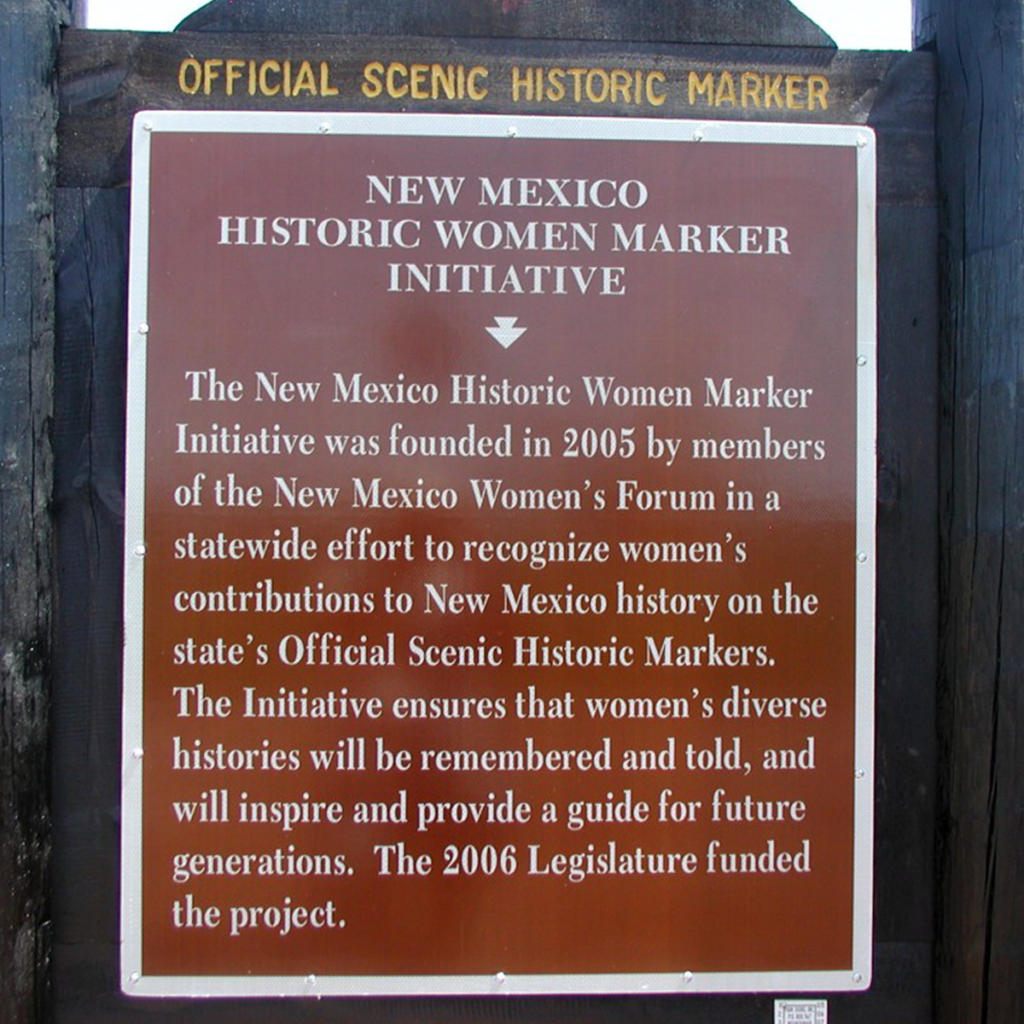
(500,556)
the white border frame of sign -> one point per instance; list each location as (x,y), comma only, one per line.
(858,978)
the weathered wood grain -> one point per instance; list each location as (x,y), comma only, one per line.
(107,77)
(28,43)
(980,49)
(764,22)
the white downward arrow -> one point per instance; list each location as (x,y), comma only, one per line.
(506,333)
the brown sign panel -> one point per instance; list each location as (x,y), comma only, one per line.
(500,556)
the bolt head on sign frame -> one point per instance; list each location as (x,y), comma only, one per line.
(499,585)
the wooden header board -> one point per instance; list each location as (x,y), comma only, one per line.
(107,77)
(499,556)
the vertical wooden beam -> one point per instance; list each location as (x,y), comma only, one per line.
(980,47)
(29,34)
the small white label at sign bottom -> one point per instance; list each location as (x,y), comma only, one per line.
(801,1011)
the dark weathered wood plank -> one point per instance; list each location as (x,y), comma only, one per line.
(89,451)
(980,967)
(28,44)
(765,22)
(107,77)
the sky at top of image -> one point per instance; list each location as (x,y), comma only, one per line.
(853,24)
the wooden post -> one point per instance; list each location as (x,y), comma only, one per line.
(29,34)
(980,966)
